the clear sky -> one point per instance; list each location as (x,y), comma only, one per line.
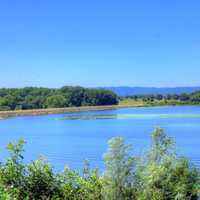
(99,43)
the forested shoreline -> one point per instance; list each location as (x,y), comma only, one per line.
(159,174)
(33,98)
(187,98)
(67,96)
(161,100)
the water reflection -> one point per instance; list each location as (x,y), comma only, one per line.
(128,116)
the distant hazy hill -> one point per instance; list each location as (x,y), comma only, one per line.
(125,91)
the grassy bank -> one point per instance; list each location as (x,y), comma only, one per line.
(133,103)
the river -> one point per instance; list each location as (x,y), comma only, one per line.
(68,139)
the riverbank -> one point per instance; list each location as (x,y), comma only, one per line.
(33,112)
(127,103)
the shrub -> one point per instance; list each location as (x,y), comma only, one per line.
(163,175)
(120,171)
(159,175)
(85,187)
(41,183)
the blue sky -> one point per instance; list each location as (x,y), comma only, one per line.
(99,43)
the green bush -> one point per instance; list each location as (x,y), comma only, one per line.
(85,187)
(120,172)
(165,176)
(40,181)
(4,195)
(160,174)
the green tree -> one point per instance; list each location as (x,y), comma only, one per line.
(159,97)
(164,176)
(41,183)
(120,171)
(184,97)
(57,101)
(8,101)
(195,97)
(12,173)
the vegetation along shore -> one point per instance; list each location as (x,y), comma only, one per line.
(42,101)
(162,100)
(160,174)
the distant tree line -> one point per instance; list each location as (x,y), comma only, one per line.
(67,96)
(193,98)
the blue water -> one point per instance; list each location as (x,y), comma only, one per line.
(68,139)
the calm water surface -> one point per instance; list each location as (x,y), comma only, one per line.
(71,138)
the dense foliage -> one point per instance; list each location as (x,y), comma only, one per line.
(158,175)
(193,98)
(34,98)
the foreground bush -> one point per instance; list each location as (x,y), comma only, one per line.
(158,175)
(164,175)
